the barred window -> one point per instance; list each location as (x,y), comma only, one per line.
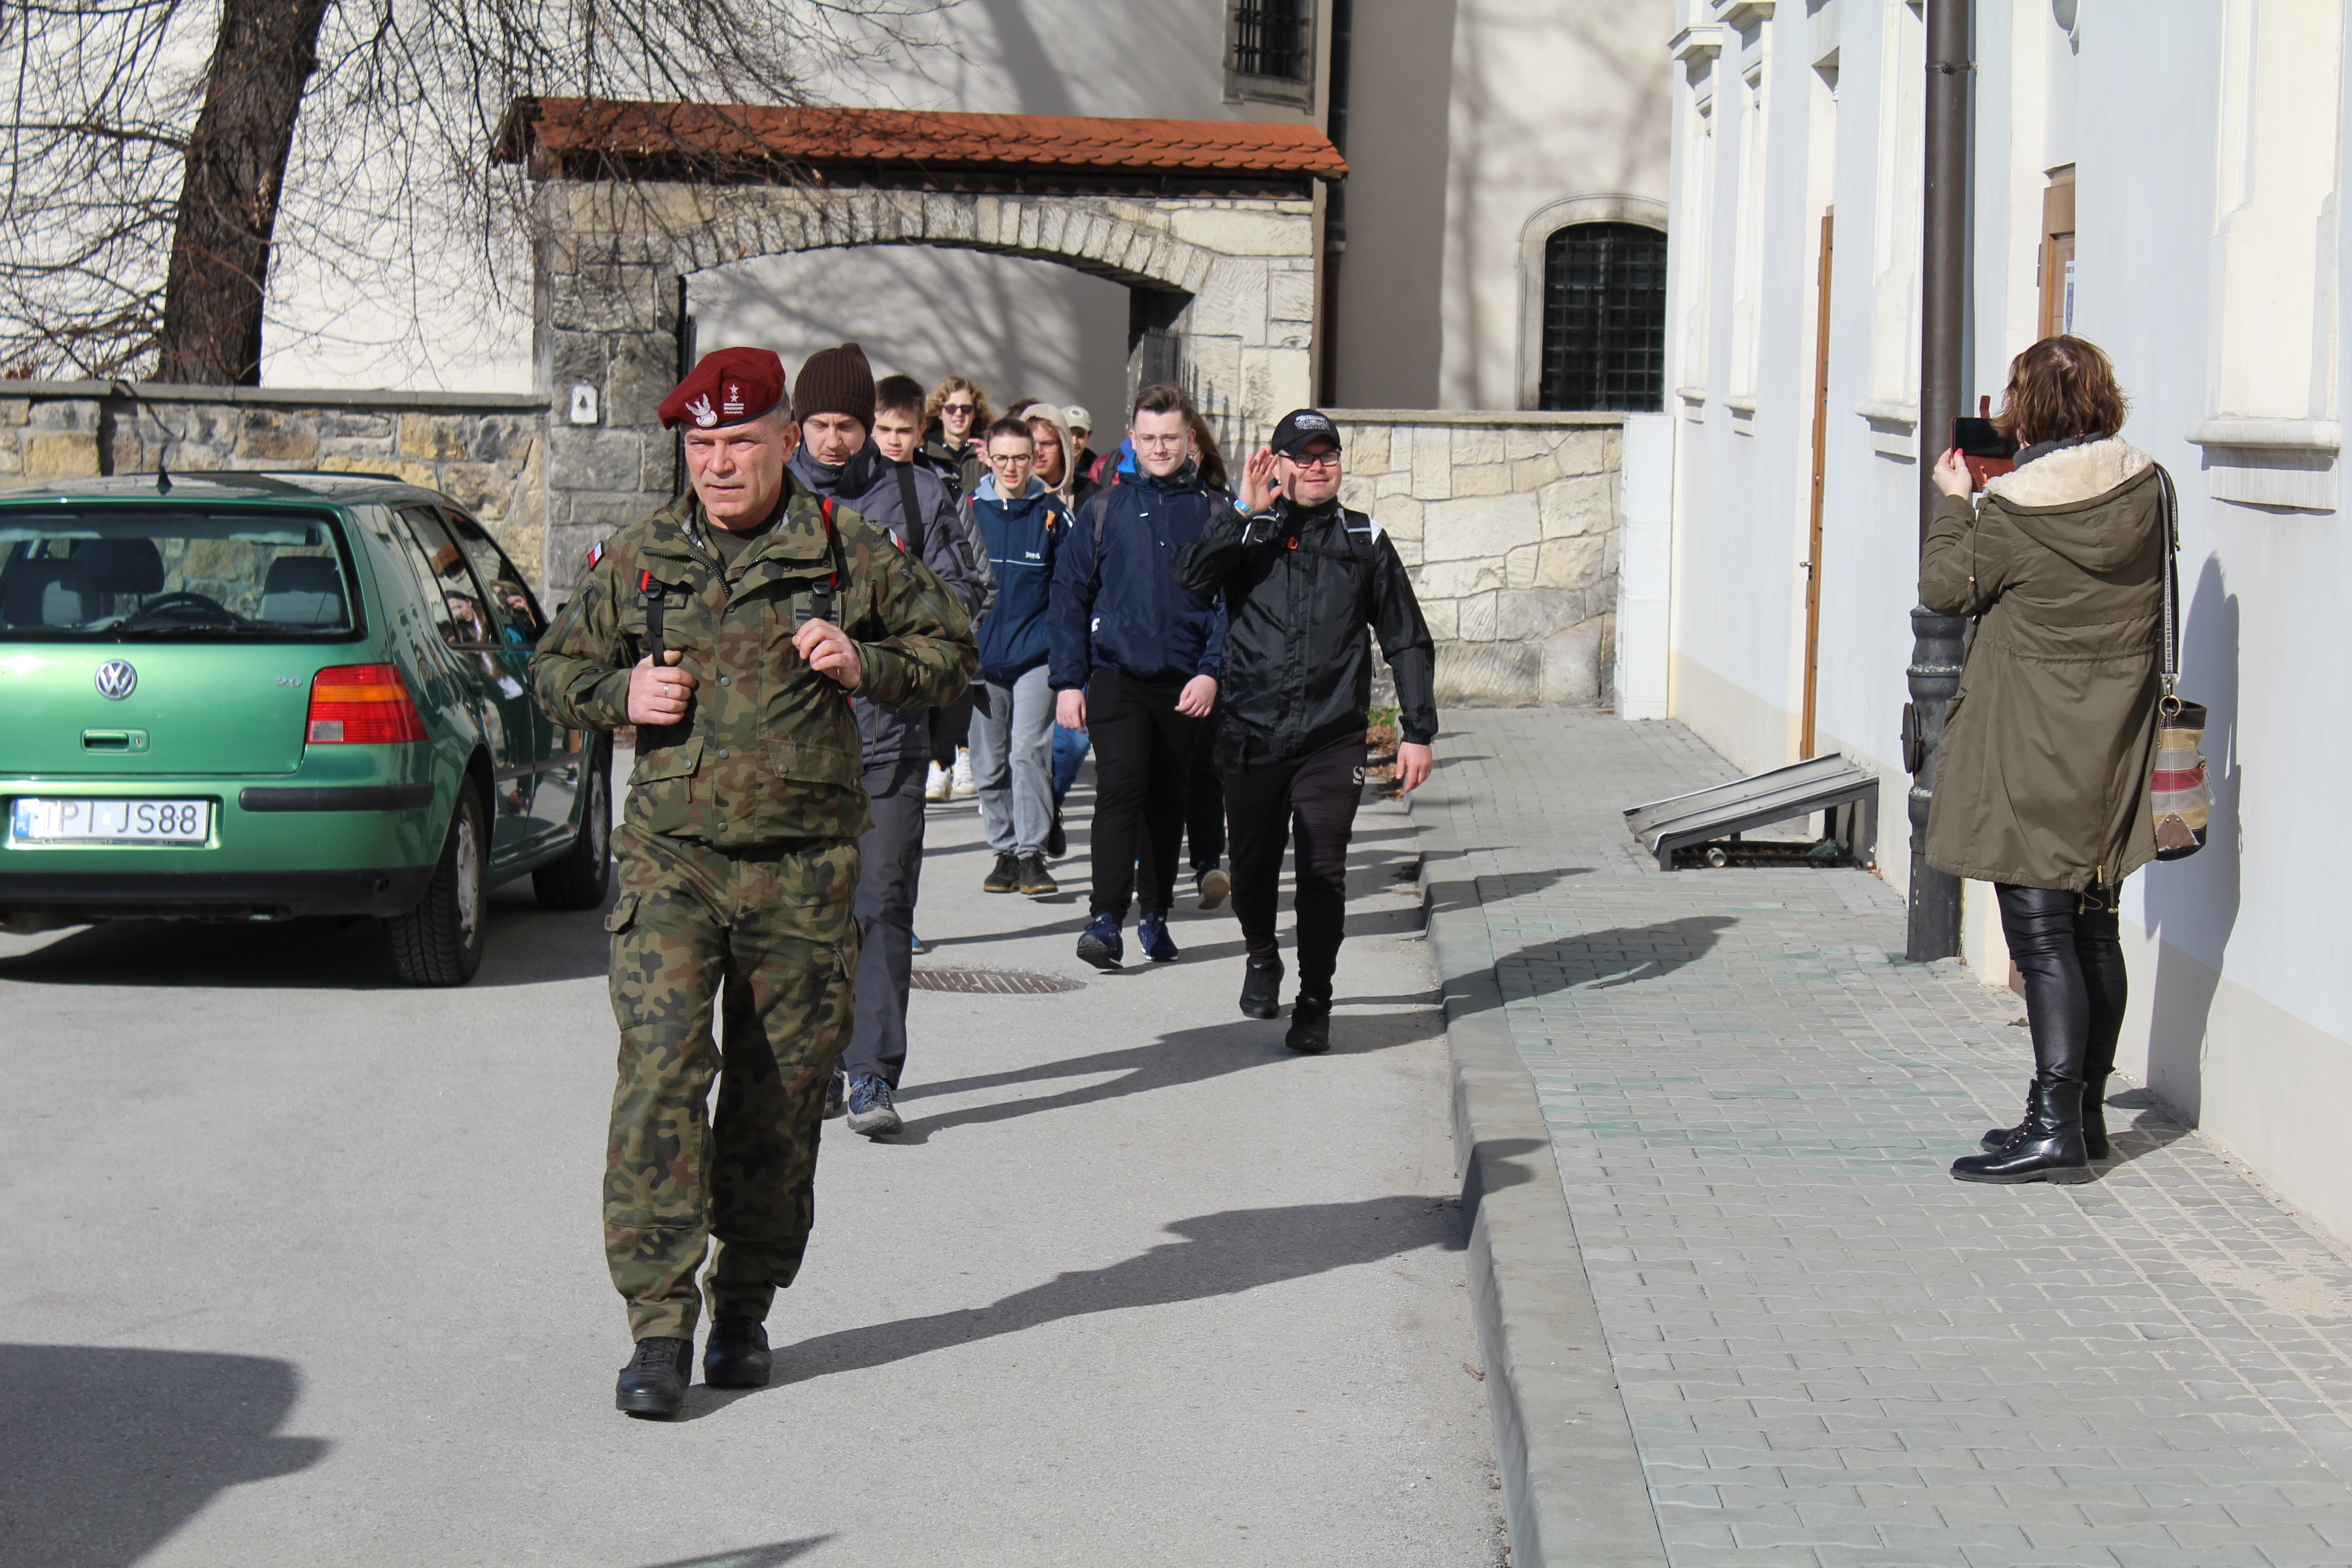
(1270,39)
(1604,317)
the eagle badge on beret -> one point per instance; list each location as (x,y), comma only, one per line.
(729,386)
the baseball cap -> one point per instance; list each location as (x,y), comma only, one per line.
(1301,426)
(1077,417)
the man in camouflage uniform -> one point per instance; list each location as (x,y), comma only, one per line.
(731,628)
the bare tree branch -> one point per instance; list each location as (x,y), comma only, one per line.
(121,227)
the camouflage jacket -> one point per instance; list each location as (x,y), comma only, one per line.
(768,750)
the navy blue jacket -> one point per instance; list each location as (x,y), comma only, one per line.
(1122,610)
(1023,537)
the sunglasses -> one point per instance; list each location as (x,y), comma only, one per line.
(1319,460)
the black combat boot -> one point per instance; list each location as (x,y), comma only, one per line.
(736,1356)
(652,1385)
(1311,1026)
(2094,1121)
(1262,989)
(2048,1146)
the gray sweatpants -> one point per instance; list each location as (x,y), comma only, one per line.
(890,871)
(1013,763)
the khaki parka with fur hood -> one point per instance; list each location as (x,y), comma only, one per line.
(2042,778)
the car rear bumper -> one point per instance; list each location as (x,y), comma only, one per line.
(71,898)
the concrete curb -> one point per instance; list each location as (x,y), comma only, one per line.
(1573,1490)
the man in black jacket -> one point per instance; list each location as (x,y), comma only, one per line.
(1302,579)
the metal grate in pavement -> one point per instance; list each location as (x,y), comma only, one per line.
(991,981)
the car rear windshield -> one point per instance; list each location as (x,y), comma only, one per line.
(196,574)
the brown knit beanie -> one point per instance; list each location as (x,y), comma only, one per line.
(836,381)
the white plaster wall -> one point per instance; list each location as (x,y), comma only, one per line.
(1013,325)
(2241,1017)
(1548,101)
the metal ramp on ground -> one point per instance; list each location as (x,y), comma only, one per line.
(1830,784)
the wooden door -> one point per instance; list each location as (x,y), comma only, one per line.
(1821,458)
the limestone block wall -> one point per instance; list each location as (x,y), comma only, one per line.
(488,453)
(1509,524)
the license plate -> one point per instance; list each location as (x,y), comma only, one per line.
(52,821)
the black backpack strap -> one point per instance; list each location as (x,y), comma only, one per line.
(907,505)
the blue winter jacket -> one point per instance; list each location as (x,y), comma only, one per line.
(1122,610)
(1023,536)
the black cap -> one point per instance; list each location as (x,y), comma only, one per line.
(1301,426)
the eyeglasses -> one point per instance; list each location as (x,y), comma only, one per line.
(1158,442)
(1315,461)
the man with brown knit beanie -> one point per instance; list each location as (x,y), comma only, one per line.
(835,398)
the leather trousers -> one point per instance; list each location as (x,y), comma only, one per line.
(2071,957)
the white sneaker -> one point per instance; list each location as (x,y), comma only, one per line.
(937,783)
(962,780)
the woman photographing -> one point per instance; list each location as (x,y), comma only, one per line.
(2042,780)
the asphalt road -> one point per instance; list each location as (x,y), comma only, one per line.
(305,1265)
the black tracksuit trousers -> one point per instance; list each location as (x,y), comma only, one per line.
(1143,754)
(1268,799)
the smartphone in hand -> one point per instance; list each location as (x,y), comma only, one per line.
(1983,447)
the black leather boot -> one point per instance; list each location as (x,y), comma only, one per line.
(652,1385)
(1262,989)
(2094,1121)
(1311,1026)
(736,1356)
(2047,1148)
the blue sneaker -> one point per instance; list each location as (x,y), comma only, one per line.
(870,1110)
(1099,944)
(1151,935)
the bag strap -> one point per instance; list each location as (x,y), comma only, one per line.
(2170,505)
(913,517)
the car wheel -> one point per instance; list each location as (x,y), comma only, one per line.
(440,942)
(580,879)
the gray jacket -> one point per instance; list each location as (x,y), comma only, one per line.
(877,490)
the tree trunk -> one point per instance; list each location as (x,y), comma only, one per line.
(213,289)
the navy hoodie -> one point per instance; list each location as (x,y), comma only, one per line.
(1124,610)
(1021,536)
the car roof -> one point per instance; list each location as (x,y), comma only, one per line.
(247,485)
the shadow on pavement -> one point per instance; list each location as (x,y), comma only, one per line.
(1185,1056)
(526,945)
(1220,1255)
(769,1556)
(105,1453)
(1621,955)
(2152,1129)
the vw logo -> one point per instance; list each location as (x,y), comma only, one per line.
(116,679)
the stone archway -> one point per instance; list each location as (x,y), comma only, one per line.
(1223,263)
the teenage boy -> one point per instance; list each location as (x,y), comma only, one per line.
(834,396)
(1134,661)
(1020,523)
(1302,579)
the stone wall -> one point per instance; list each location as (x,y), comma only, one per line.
(1509,522)
(1238,273)
(485,452)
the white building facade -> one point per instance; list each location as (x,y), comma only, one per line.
(2162,177)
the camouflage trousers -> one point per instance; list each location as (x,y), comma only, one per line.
(775,924)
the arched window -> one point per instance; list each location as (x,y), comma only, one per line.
(1604,317)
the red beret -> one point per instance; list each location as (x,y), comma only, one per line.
(729,386)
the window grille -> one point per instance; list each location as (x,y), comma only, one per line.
(1604,317)
(1271,38)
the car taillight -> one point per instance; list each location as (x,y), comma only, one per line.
(356,703)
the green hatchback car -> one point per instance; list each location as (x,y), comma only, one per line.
(260,697)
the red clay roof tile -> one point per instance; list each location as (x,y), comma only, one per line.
(818,137)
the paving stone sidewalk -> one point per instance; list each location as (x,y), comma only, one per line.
(1831,1352)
